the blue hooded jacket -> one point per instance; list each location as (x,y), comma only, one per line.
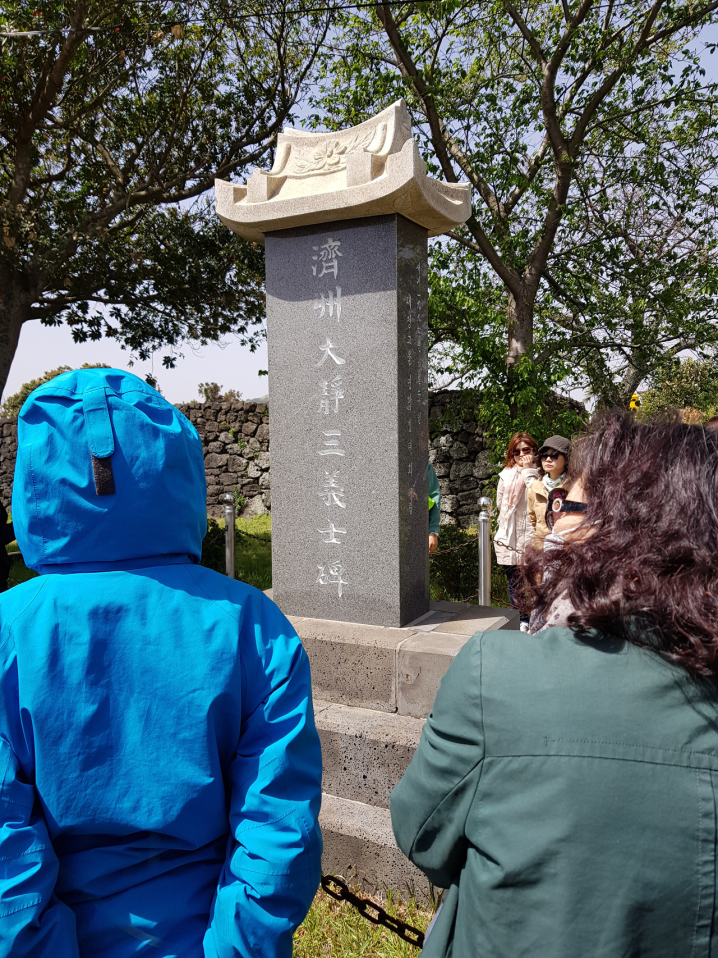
(160,772)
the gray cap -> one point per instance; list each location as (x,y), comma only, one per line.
(558,443)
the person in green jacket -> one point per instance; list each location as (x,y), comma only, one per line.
(565,788)
(434,509)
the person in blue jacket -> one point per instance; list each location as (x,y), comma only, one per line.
(160,772)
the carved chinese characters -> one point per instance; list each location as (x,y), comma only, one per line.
(415,347)
(326,261)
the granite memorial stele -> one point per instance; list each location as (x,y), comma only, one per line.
(345,217)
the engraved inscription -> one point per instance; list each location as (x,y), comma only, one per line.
(332,574)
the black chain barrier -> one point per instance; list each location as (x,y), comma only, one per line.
(469,542)
(249,535)
(339,890)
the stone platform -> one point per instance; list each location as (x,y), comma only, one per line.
(373,688)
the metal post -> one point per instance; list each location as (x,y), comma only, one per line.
(485,551)
(229,535)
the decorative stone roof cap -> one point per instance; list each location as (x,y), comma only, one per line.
(367,170)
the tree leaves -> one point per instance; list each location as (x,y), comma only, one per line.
(590,142)
(113,122)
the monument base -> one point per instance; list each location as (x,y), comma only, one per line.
(373,688)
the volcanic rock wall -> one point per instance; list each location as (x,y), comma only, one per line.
(8,450)
(235,436)
(458,452)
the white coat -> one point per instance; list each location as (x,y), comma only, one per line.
(516,533)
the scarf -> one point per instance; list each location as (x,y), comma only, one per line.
(550,483)
(558,614)
(512,495)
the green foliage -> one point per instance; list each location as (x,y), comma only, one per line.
(334,928)
(528,404)
(19,573)
(455,575)
(590,144)
(212,392)
(213,555)
(115,120)
(689,384)
(252,550)
(13,404)
(543,411)
(152,381)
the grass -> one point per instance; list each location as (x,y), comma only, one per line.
(335,928)
(19,572)
(252,550)
(253,553)
(253,559)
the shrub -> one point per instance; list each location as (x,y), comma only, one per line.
(212,392)
(13,404)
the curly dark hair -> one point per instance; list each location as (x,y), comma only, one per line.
(648,572)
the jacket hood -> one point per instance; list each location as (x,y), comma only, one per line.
(107,470)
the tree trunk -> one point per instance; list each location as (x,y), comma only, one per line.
(15,306)
(632,379)
(521,340)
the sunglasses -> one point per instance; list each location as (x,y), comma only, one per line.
(526,451)
(553,456)
(558,505)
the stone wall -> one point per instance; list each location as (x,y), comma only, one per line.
(459,455)
(235,436)
(8,449)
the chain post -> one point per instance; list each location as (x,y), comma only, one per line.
(484,591)
(229,514)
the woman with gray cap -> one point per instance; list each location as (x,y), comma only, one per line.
(553,460)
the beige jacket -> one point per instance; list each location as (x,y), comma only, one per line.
(537,500)
(511,550)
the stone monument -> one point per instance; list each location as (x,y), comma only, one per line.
(345,219)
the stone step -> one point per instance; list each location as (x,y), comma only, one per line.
(364,752)
(359,846)
(387,669)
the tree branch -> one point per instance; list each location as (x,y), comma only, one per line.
(49,85)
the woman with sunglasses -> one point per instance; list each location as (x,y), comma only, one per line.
(514,531)
(553,459)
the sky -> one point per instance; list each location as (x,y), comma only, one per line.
(230,364)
